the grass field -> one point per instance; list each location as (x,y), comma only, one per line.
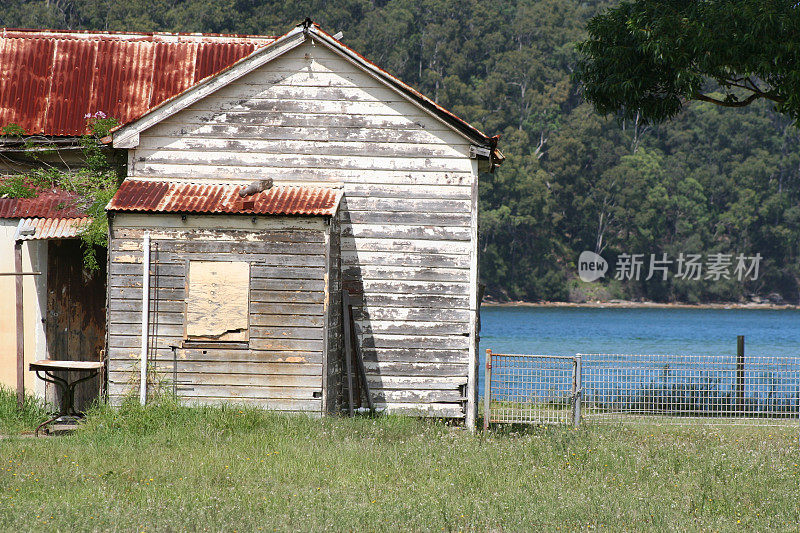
(166,468)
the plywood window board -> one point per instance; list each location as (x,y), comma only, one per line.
(218,301)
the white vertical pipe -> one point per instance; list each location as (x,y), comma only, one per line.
(145,316)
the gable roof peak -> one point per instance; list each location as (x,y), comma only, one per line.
(127,136)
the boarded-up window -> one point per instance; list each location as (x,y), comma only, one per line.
(217,302)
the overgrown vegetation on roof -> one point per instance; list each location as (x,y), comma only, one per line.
(94,180)
(17,187)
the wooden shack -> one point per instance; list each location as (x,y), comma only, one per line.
(311,115)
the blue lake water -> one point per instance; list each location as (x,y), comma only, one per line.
(711,332)
(567,331)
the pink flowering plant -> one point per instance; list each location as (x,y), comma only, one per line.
(98,124)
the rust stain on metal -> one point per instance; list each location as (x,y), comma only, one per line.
(50,203)
(50,80)
(177,197)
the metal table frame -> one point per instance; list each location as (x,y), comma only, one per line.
(49,367)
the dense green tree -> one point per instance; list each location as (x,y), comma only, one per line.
(648,57)
(712,180)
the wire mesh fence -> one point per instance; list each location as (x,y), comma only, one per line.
(724,389)
(531,389)
(688,388)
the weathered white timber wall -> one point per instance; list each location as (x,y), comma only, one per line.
(409,217)
(284,364)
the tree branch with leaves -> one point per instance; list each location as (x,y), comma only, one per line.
(652,56)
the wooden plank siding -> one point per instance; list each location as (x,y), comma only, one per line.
(408,216)
(283,366)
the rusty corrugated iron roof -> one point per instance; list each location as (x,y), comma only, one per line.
(51,80)
(50,228)
(184,197)
(50,203)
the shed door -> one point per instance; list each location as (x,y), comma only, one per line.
(76,311)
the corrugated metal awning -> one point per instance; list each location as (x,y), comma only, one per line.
(184,197)
(30,229)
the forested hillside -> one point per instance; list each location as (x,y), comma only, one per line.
(713,181)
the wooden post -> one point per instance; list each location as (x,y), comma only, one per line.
(348,349)
(740,373)
(360,360)
(20,325)
(487,390)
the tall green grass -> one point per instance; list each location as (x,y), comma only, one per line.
(171,468)
(14,420)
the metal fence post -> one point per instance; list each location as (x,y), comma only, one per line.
(577,390)
(487,390)
(740,374)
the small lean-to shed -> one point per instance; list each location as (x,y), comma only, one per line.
(307,111)
(243,300)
